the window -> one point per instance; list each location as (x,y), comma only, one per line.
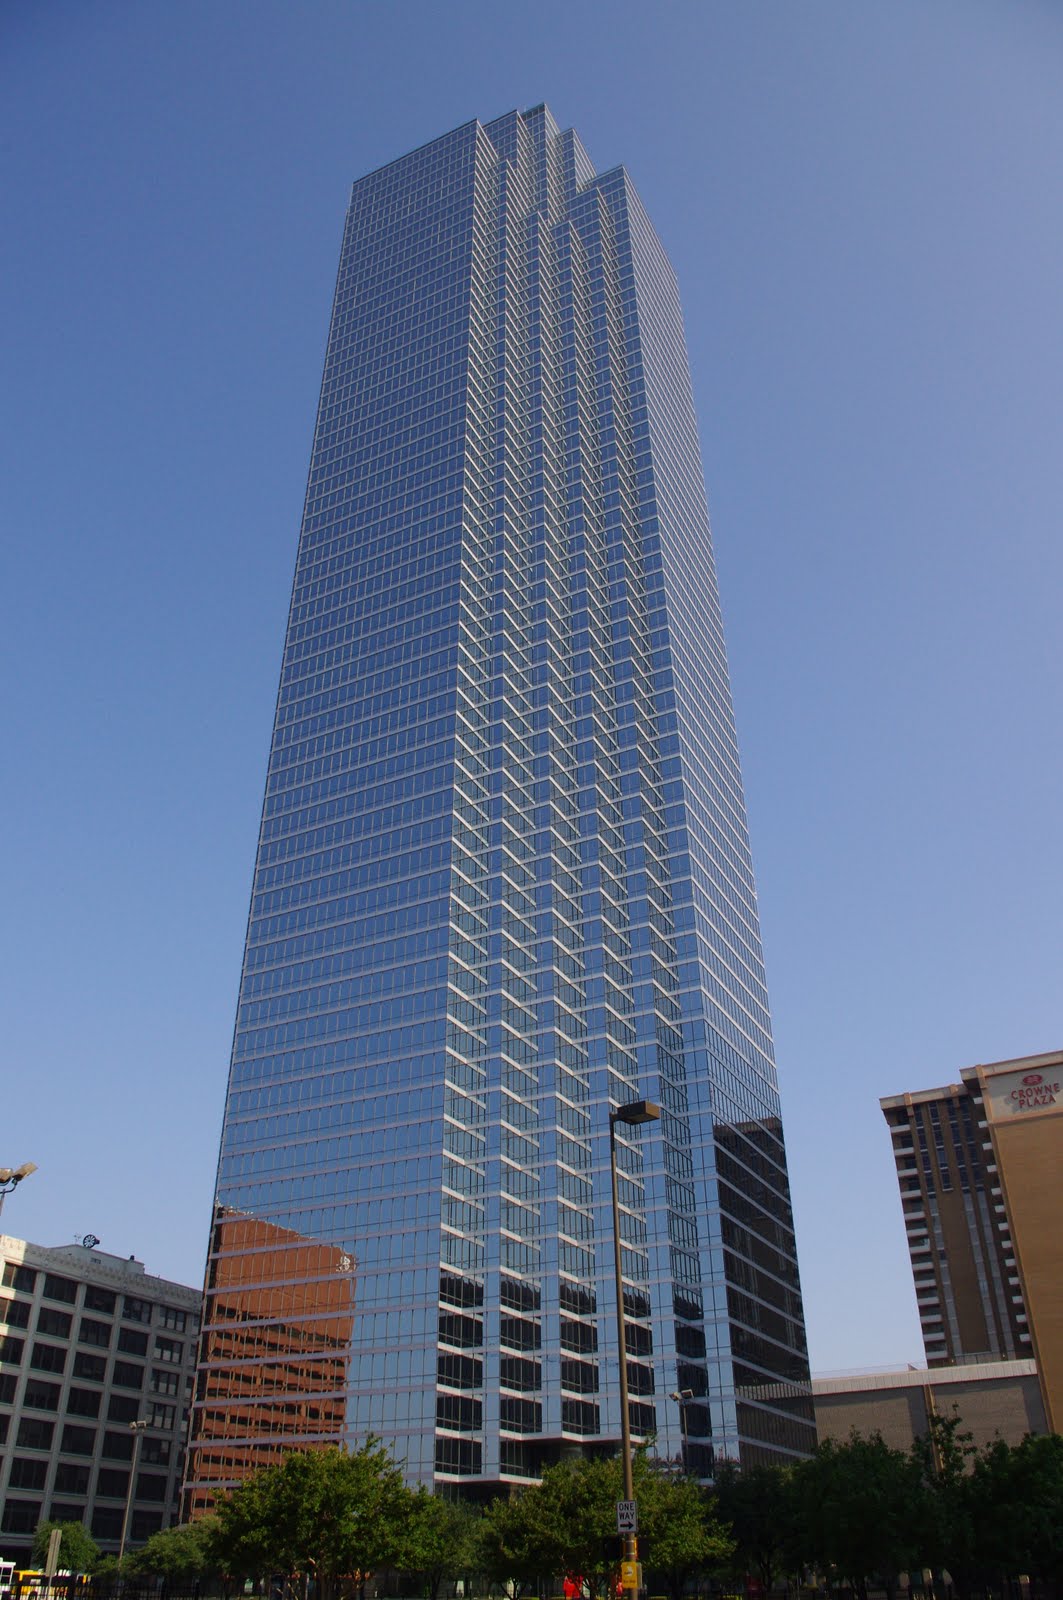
(520,1335)
(134,1310)
(579,1416)
(112,1483)
(145,1523)
(34,1433)
(521,1416)
(41,1396)
(97,1333)
(57,1288)
(456,1411)
(83,1403)
(86,1366)
(99,1299)
(150,1486)
(155,1452)
(123,1408)
(517,1373)
(461,1372)
(579,1336)
(169,1350)
(78,1441)
(132,1342)
(11,1349)
(48,1358)
(639,1378)
(117,1446)
(643,1418)
(107,1522)
(16,1276)
(458,1456)
(127,1375)
(169,1382)
(16,1313)
(170,1317)
(460,1330)
(54,1322)
(71,1478)
(21,1516)
(28,1472)
(161,1416)
(61,1512)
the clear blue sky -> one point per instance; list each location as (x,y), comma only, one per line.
(863,206)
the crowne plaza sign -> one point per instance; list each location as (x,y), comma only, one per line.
(1012,1094)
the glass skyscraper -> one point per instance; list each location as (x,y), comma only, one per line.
(503,878)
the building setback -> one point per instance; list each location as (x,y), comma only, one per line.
(503,879)
(978,1164)
(90,1342)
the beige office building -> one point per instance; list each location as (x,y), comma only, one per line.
(979,1164)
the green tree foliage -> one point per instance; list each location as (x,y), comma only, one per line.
(506,1546)
(858,1507)
(177,1554)
(572,1521)
(1016,1510)
(944,1531)
(332,1514)
(78,1550)
(567,1524)
(758,1505)
(682,1535)
(438,1540)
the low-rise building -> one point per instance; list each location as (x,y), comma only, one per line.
(993,1399)
(91,1343)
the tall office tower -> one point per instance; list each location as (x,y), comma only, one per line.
(503,879)
(978,1164)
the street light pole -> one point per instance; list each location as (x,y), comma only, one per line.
(137,1430)
(11,1177)
(633,1115)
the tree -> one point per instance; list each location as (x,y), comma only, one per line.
(505,1545)
(572,1521)
(333,1514)
(438,1541)
(78,1550)
(567,1524)
(177,1554)
(681,1535)
(1037,1503)
(758,1503)
(1016,1506)
(857,1506)
(944,1531)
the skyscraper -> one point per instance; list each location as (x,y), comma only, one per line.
(503,877)
(978,1165)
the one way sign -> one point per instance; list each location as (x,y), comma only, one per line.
(627,1516)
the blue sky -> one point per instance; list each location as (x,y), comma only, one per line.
(862,204)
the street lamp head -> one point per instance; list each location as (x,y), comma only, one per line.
(637,1112)
(681,1396)
(16,1174)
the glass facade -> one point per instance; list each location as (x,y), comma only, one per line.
(503,878)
